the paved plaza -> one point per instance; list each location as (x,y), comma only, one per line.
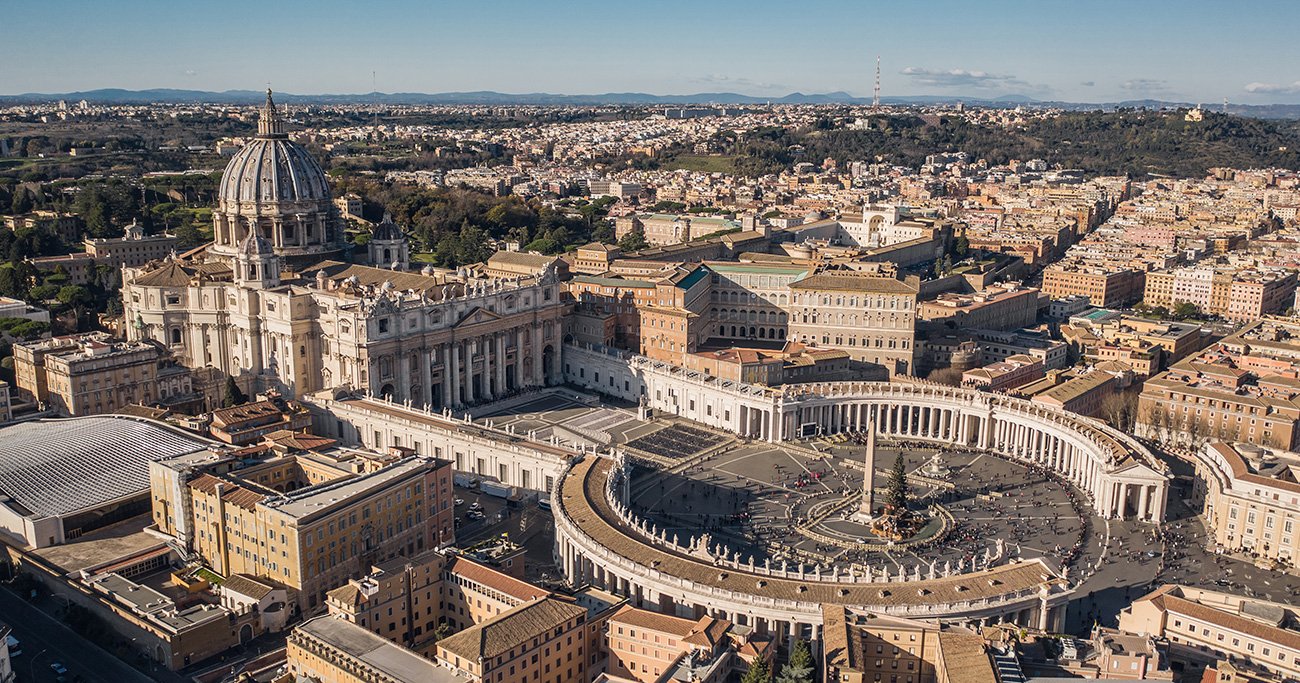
(750,496)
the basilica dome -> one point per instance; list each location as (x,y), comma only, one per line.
(273,170)
(274,188)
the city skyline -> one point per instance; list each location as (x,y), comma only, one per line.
(1102,52)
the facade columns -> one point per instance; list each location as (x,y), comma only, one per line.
(444,354)
(426,378)
(500,340)
(454,373)
(485,346)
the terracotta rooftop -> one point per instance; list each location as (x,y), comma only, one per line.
(508,630)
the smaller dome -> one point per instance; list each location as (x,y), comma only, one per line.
(255,245)
(387,231)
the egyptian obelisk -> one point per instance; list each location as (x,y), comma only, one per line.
(866,509)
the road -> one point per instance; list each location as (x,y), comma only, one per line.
(45,640)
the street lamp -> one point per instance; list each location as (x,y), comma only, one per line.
(33,663)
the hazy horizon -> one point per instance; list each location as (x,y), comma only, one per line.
(1105,51)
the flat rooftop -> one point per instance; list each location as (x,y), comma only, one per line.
(389,659)
(51,468)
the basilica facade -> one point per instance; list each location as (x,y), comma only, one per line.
(277,302)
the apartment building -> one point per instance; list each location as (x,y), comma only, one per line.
(1104,286)
(1148,346)
(1232,291)
(1204,627)
(1243,389)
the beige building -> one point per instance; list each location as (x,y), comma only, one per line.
(1204,627)
(861,647)
(509,264)
(133,249)
(331,650)
(872,317)
(1250,499)
(595,258)
(541,641)
(1001,307)
(1103,286)
(647,647)
(308,521)
(91,374)
(1243,389)
(407,599)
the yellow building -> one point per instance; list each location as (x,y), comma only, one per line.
(1204,627)
(331,650)
(866,647)
(869,316)
(302,520)
(542,641)
(91,374)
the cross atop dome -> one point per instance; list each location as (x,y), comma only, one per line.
(270,124)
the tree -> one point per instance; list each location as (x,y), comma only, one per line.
(800,667)
(74,296)
(633,241)
(1120,410)
(897,496)
(41,293)
(1185,310)
(21,203)
(757,673)
(234,395)
(961,246)
(950,376)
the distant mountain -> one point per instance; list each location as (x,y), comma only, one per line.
(165,95)
(488,97)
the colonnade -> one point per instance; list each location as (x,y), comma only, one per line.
(1119,475)
(592,548)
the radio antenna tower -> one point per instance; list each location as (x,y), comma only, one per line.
(875,95)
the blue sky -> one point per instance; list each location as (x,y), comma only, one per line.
(1086,50)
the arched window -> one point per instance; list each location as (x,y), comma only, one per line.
(176,335)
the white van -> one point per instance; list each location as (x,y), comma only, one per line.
(15,647)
